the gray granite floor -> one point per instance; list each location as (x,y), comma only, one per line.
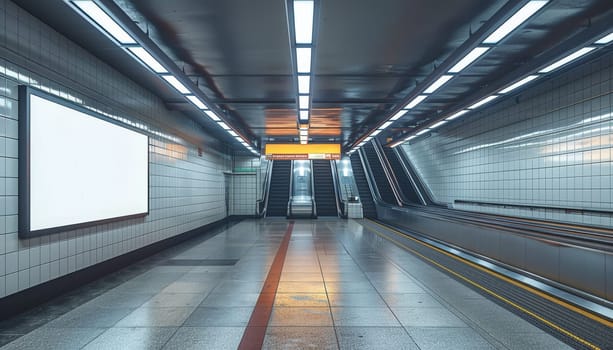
(341,287)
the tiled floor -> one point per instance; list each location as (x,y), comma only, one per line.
(341,287)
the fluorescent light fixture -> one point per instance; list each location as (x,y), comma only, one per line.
(196,101)
(385,125)
(238,138)
(172,80)
(147,59)
(303,59)
(304,115)
(522,82)
(224,125)
(515,21)
(104,21)
(438,124)
(304,84)
(483,101)
(303,127)
(231,132)
(398,115)
(304,133)
(456,115)
(422,132)
(303,21)
(376,132)
(212,115)
(303,102)
(438,83)
(607,39)
(573,56)
(468,59)
(362,144)
(303,142)
(410,137)
(417,100)
(368,138)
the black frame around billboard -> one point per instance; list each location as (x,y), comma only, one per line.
(24,163)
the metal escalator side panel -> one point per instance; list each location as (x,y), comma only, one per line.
(365,189)
(279,188)
(376,172)
(324,188)
(424,189)
(301,203)
(406,184)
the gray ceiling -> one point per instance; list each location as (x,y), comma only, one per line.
(369,55)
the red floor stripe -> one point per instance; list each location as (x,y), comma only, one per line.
(253,338)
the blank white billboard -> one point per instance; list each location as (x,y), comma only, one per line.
(82,169)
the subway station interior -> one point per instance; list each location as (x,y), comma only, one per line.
(306,174)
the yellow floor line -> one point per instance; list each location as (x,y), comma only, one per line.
(506,279)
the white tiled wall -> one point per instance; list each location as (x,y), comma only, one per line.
(186,190)
(553,147)
(243,194)
(244,188)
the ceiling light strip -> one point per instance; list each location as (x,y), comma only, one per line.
(521,16)
(302,34)
(102,18)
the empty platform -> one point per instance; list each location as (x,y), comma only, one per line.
(321,284)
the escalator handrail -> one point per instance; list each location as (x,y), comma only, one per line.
(376,196)
(266,188)
(288,211)
(420,184)
(410,177)
(391,178)
(340,204)
(313,206)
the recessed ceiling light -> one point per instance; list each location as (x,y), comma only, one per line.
(514,21)
(398,115)
(438,83)
(303,21)
(172,80)
(212,115)
(437,124)
(304,84)
(147,59)
(522,82)
(414,102)
(607,39)
(385,125)
(303,101)
(483,101)
(456,115)
(468,59)
(573,56)
(105,22)
(303,59)
(304,115)
(196,101)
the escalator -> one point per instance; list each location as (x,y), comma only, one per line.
(404,181)
(385,189)
(325,196)
(278,195)
(366,197)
